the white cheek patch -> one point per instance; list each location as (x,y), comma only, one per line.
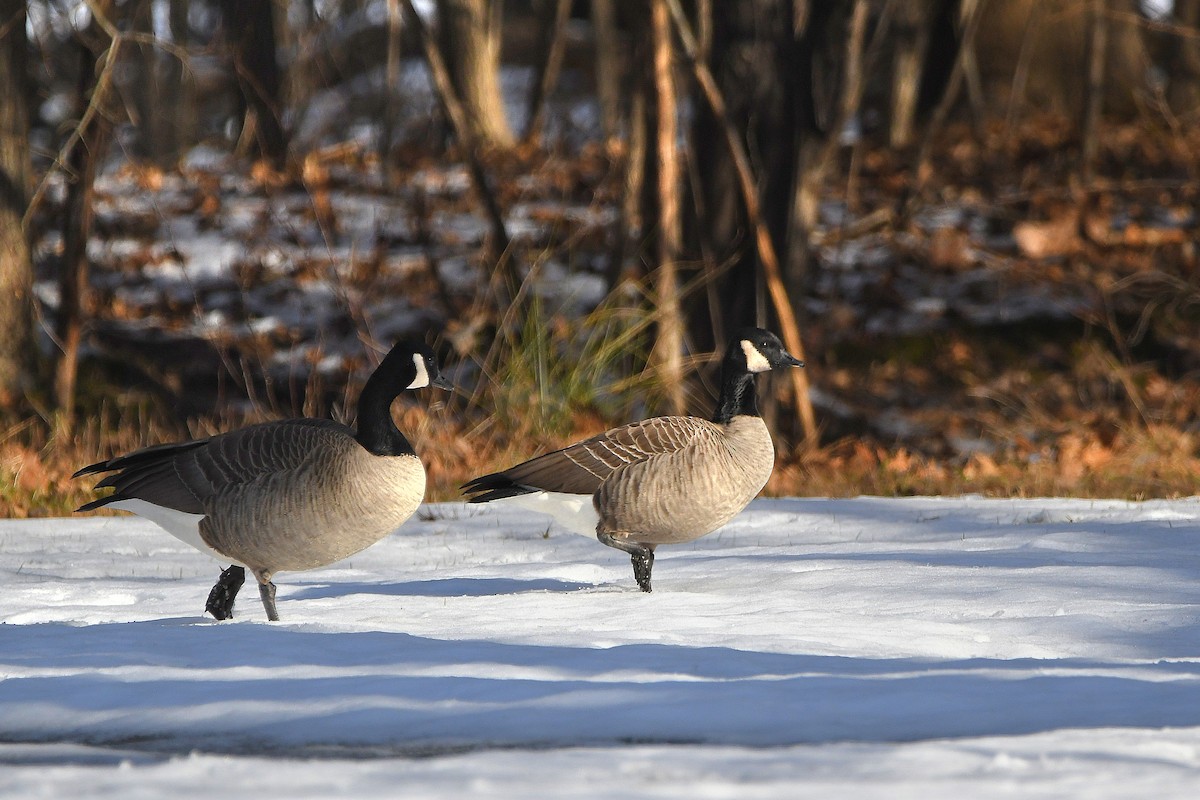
(422,379)
(755,361)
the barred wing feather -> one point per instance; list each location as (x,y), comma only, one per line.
(583,467)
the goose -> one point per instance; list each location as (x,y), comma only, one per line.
(664,480)
(289,495)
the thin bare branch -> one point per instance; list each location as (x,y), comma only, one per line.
(95,104)
(104,62)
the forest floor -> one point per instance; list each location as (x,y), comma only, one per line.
(990,326)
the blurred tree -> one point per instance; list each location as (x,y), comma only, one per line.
(752,57)
(781,84)
(16,320)
(89,144)
(506,277)
(250,30)
(139,86)
(914,28)
(1034,54)
(393,107)
(765,251)
(1183,60)
(158,94)
(607,69)
(470,42)
(552,42)
(177,88)
(1097,41)
(662,207)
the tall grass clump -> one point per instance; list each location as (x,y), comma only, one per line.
(552,373)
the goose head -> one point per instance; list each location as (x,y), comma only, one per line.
(425,370)
(408,365)
(751,351)
(757,350)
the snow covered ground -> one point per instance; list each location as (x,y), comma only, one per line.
(950,647)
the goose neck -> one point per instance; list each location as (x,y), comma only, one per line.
(376,430)
(737,396)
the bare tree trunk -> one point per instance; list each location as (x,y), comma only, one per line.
(1051,42)
(973,15)
(391,107)
(818,148)
(16,271)
(552,46)
(608,66)
(668,352)
(800,12)
(470,35)
(912,35)
(632,223)
(813,171)
(175,125)
(501,250)
(97,54)
(294,36)
(250,27)
(141,83)
(704,29)
(765,247)
(1183,91)
(751,57)
(1094,98)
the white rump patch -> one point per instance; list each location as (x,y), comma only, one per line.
(755,361)
(422,379)
(574,512)
(183,526)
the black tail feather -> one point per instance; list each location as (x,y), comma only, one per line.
(139,457)
(131,471)
(92,469)
(103,501)
(496,486)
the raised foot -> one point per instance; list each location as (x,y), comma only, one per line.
(224,592)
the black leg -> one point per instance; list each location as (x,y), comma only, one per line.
(220,599)
(266,590)
(641,555)
(643,563)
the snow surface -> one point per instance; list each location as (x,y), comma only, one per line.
(899,648)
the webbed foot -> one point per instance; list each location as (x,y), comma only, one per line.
(224,592)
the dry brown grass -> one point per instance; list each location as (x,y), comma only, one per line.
(1161,461)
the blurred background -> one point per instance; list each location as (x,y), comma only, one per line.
(975,220)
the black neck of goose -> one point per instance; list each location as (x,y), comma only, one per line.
(376,430)
(737,395)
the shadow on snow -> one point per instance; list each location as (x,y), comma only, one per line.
(178,685)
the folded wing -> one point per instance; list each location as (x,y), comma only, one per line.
(583,467)
(185,475)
